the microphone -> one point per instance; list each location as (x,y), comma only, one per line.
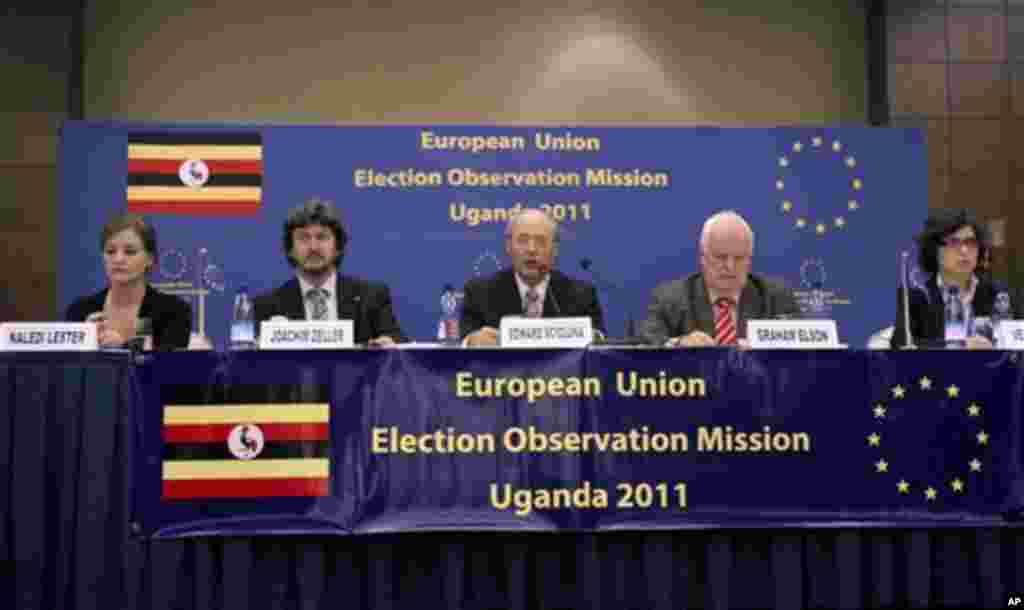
(554,302)
(904,277)
(551,293)
(587,264)
(545,269)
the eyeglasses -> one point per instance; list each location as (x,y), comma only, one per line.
(524,241)
(723,261)
(971,243)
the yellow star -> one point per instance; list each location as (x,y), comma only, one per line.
(857,184)
(797,146)
(898,392)
(851,162)
(930,494)
(879,411)
(881,466)
(982,438)
(840,222)
(820,228)
(957,485)
(874,439)
(953,391)
(787,205)
(801,223)
(816,141)
(926,384)
(783,162)
(974,409)
(903,486)
(853,205)
(837,145)
(975,465)
(779,185)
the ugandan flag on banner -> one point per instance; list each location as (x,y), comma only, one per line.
(210,173)
(245,451)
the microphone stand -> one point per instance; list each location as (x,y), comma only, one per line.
(909,344)
(587,265)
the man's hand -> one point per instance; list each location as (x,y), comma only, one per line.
(695,339)
(485,337)
(978,342)
(107,335)
(382,341)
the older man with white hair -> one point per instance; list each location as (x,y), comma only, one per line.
(532,287)
(711,307)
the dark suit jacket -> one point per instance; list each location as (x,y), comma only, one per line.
(681,306)
(367,304)
(487,300)
(928,311)
(171,316)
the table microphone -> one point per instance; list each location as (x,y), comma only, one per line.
(904,274)
(545,269)
(587,264)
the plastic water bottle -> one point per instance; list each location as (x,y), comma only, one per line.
(243,326)
(956,318)
(448,325)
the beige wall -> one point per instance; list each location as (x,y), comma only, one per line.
(34,60)
(955,71)
(472,61)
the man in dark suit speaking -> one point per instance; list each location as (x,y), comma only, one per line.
(531,288)
(713,306)
(314,243)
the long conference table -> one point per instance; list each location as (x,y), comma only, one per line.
(600,478)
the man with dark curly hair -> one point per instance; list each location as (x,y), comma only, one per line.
(314,243)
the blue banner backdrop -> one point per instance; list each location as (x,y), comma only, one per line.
(64,544)
(648,439)
(828,206)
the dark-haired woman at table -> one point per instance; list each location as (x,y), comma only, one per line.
(951,250)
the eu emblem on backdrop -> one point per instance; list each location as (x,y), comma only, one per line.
(927,443)
(195,278)
(818,295)
(818,186)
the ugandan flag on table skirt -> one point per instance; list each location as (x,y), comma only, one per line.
(210,173)
(245,451)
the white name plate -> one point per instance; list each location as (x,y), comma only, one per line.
(306,334)
(546,332)
(48,337)
(1011,335)
(793,334)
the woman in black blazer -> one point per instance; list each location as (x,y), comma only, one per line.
(129,252)
(951,250)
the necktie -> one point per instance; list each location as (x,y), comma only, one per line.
(725,327)
(534,308)
(317,298)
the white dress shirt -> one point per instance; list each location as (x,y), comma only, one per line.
(524,289)
(331,286)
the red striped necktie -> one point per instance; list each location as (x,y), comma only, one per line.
(725,326)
